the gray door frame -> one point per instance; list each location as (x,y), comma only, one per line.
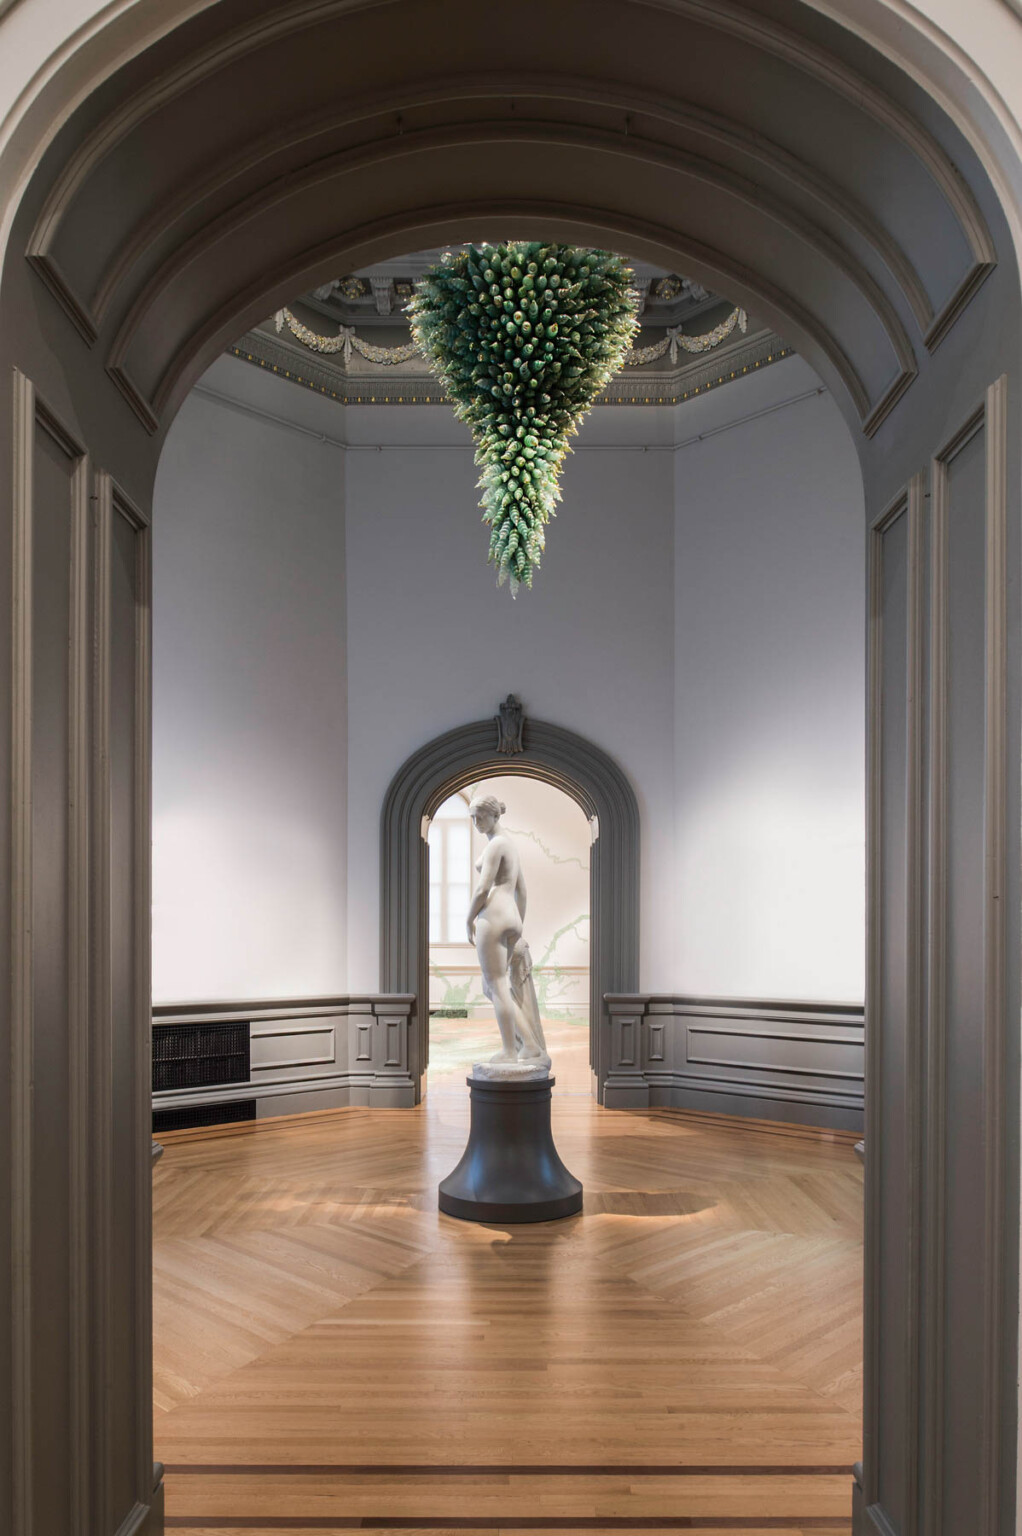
(559,757)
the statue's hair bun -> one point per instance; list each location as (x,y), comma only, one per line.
(488,803)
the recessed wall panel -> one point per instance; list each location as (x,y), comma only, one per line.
(52,534)
(889,1002)
(964,973)
(128,1022)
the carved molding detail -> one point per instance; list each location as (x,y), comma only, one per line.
(347,342)
(510,721)
(694,375)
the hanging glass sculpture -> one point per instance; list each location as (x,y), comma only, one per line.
(523,337)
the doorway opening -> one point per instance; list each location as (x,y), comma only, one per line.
(548,754)
(554,838)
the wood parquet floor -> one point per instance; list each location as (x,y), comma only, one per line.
(331,1353)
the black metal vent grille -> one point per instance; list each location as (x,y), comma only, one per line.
(203,1114)
(199,1055)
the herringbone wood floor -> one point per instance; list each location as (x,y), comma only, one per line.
(331,1353)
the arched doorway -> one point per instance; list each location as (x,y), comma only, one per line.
(209,170)
(560,757)
(554,842)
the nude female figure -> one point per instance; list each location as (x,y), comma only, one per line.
(495,919)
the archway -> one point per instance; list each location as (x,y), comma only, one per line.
(553,839)
(759,147)
(578,767)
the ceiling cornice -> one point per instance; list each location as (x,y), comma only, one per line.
(388,385)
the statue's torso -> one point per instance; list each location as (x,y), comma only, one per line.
(501,908)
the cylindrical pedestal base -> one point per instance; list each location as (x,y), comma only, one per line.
(510,1170)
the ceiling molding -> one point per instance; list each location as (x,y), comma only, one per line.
(725,274)
(151,237)
(719,15)
(347,162)
(286,21)
(770,36)
(81,316)
(396,386)
(698,122)
(728,18)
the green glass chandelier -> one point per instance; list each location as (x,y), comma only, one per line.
(523,337)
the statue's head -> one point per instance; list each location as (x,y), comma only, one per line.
(486,811)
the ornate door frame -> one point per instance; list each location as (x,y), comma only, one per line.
(537,750)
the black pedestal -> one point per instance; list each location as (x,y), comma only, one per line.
(510,1170)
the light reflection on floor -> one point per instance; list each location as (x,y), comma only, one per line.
(454,1044)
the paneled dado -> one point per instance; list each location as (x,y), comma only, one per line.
(798,1061)
(312,1053)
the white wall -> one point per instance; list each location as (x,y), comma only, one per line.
(249,777)
(698,615)
(433,643)
(769,698)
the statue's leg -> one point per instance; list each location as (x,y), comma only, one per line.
(493,962)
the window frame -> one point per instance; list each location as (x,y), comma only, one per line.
(441,824)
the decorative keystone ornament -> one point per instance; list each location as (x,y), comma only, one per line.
(523,337)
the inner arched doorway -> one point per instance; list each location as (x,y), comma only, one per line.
(560,757)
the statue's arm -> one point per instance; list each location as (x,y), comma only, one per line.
(521,895)
(481,894)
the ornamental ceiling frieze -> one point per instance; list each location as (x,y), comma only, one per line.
(351,377)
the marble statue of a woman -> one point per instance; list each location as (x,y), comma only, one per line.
(495,920)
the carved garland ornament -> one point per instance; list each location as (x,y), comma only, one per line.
(347,341)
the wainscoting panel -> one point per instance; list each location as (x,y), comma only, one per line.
(941,1248)
(772,1060)
(301,1047)
(970,1020)
(49,1018)
(79,1236)
(121,1046)
(309,1053)
(895,800)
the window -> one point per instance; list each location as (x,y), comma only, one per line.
(450,872)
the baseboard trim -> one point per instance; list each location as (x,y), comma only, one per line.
(868,1520)
(145,1519)
(725,1099)
(357,1090)
(627,1096)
